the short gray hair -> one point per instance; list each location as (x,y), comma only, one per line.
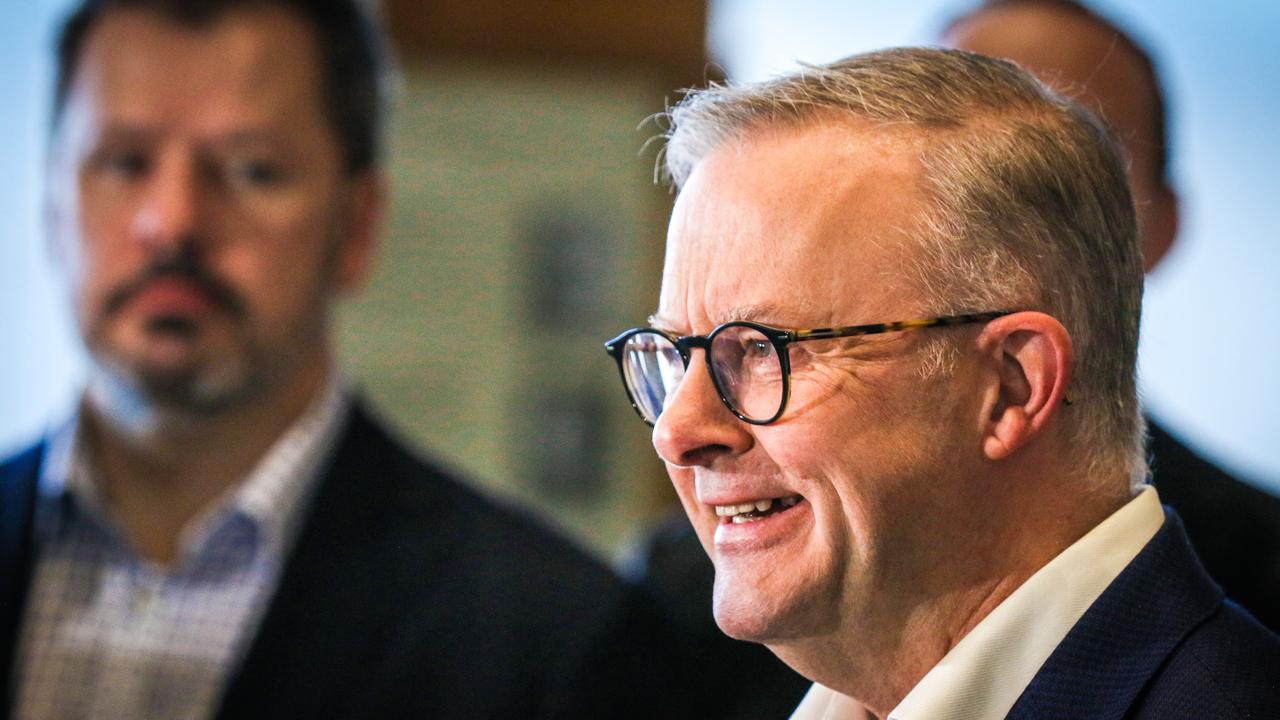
(1030,206)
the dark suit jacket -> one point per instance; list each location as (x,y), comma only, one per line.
(1234,527)
(1160,643)
(407,595)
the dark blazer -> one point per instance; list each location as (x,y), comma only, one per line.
(1234,526)
(1160,643)
(408,595)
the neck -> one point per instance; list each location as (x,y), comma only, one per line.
(879,669)
(161,472)
(905,631)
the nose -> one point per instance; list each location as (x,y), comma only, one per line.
(695,427)
(168,216)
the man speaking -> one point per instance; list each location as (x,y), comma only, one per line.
(891,374)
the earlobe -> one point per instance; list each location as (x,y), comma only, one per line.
(54,247)
(368,197)
(1032,358)
(59,254)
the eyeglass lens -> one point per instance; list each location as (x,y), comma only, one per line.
(744,362)
(653,369)
(747,369)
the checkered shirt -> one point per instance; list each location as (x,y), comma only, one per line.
(108,634)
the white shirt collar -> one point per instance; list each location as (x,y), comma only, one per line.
(985,673)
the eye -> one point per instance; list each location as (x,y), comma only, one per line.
(256,173)
(758,348)
(121,163)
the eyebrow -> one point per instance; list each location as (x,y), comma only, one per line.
(763,313)
(253,136)
(131,132)
(125,131)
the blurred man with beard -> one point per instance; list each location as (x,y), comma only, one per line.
(223,529)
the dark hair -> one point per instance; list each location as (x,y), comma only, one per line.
(354,64)
(1147,65)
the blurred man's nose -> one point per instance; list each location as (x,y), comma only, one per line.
(695,427)
(172,205)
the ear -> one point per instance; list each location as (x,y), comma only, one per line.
(1030,360)
(54,245)
(368,200)
(1159,227)
(53,211)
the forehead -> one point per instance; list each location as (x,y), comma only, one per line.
(814,224)
(257,64)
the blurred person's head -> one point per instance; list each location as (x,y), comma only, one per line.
(214,183)
(1087,57)
(905,467)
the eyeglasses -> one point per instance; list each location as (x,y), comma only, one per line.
(749,363)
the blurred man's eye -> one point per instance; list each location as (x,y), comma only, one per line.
(121,163)
(256,173)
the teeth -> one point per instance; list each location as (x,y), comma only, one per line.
(737,511)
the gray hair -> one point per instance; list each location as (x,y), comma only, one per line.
(1030,207)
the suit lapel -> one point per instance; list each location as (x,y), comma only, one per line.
(17,508)
(1119,644)
(317,639)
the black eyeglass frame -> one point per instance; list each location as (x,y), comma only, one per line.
(780,339)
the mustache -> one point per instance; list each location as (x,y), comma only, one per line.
(184,266)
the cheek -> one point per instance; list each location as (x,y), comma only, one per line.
(702,518)
(682,479)
(93,265)
(858,464)
(280,266)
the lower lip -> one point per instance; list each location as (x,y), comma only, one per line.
(172,297)
(766,532)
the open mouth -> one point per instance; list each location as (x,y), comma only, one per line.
(757,509)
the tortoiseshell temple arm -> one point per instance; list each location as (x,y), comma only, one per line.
(877,328)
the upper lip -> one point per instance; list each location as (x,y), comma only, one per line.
(741,497)
(177,281)
(731,489)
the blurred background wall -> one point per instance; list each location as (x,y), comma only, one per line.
(525,228)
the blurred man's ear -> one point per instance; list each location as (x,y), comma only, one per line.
(1159,226)
(365,214)
(53,211)
(1030,358)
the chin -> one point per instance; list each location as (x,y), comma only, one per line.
(189,386)
(748,609)
(200,392)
